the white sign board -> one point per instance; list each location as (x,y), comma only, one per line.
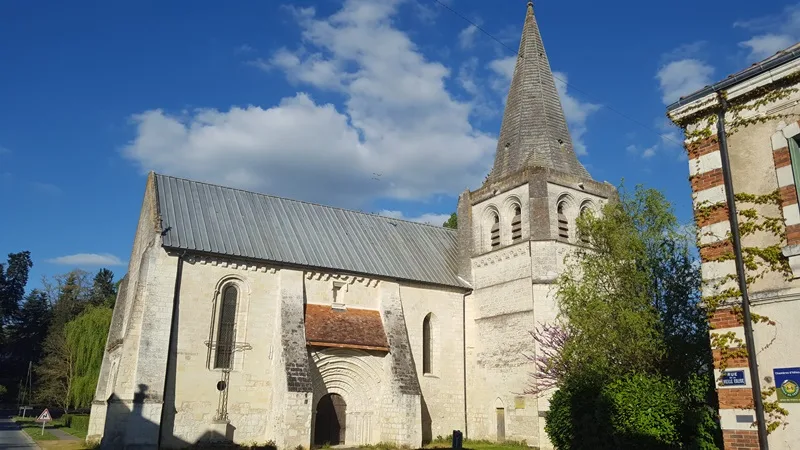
(44,416)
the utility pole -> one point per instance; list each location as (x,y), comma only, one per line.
(741,273)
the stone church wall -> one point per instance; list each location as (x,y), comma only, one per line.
(250,384)
(443,388)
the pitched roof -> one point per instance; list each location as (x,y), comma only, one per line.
(779,58)
(350,328)
(534,131)
(225,221)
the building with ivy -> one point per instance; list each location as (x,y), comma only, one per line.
(761,131)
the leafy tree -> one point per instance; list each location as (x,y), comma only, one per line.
(629,306)
(71,292)
(13,278)
(28,330)
(452,222)
(104,290)
(86,338)
(56,370)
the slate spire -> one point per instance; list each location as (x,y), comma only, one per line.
(534,131)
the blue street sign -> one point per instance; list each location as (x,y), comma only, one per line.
(733,378)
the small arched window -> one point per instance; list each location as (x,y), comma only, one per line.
(563,225)
(516,224)
(226,331)
(495,233)
(427,366)
(583,236)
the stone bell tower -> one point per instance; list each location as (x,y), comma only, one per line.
(514,232)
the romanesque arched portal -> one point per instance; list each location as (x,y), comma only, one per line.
(351,378)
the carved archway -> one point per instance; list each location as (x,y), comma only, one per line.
(355,376)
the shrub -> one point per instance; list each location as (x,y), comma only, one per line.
(80,423)
(645,412)
(635,412)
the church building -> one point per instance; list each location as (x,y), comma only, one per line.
(251,318)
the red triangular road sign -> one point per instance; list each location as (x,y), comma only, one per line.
(44,416)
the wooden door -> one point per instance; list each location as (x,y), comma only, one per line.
(501,424)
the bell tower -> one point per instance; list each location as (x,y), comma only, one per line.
(514,232)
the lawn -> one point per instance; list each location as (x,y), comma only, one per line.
(34,429)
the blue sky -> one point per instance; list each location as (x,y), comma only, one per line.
(313,99)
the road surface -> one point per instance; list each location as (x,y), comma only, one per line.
(12,438)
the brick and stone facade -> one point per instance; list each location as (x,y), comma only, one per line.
(760,164)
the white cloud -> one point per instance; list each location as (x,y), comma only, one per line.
(88,260)
(4,151)
(397,119)
(429,218)
(644,153)
(576,112)
(774,32)
(766,45)
(682,77)
(466,38)
(503,68)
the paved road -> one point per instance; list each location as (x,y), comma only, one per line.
(11,437)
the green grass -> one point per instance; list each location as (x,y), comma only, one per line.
(34,429)
(469,444)
(76,425)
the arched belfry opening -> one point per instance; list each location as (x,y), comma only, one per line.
(331,420)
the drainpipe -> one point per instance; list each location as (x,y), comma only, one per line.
(464,343)
(741,274)
(172,342)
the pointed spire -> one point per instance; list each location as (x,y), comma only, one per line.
(534,131)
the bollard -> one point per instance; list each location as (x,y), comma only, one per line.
(458,440)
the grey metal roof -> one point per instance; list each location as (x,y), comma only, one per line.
(226,221)
(534,132)
(782,57)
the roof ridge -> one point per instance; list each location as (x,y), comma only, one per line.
(305,202)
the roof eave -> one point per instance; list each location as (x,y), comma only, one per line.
(754,71)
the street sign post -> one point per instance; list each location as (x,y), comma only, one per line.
(25,409)
(44,417)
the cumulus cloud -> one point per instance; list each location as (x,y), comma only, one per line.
(576,111)
(765,45)
(682,77)
(87,260)
(397,119)
(466,38)
(429,218)
(774,32)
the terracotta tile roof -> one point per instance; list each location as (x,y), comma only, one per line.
(351,328)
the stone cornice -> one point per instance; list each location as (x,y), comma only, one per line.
(502,255)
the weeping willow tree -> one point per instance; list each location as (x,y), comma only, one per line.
(86,337)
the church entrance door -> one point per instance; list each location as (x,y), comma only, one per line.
(331,420)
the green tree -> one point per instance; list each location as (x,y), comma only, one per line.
(104,290)
(28,331)
(86,337)
(452,222)
(13,278)
(629,308)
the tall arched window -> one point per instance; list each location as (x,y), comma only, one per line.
(516,224)
(583,236)
(426,345)
(226,332)
(563,225)
(495,233)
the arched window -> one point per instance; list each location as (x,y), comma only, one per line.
(226,331)
(516,224)
(495,233)
(427,332)
(563,225)
(583,236)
